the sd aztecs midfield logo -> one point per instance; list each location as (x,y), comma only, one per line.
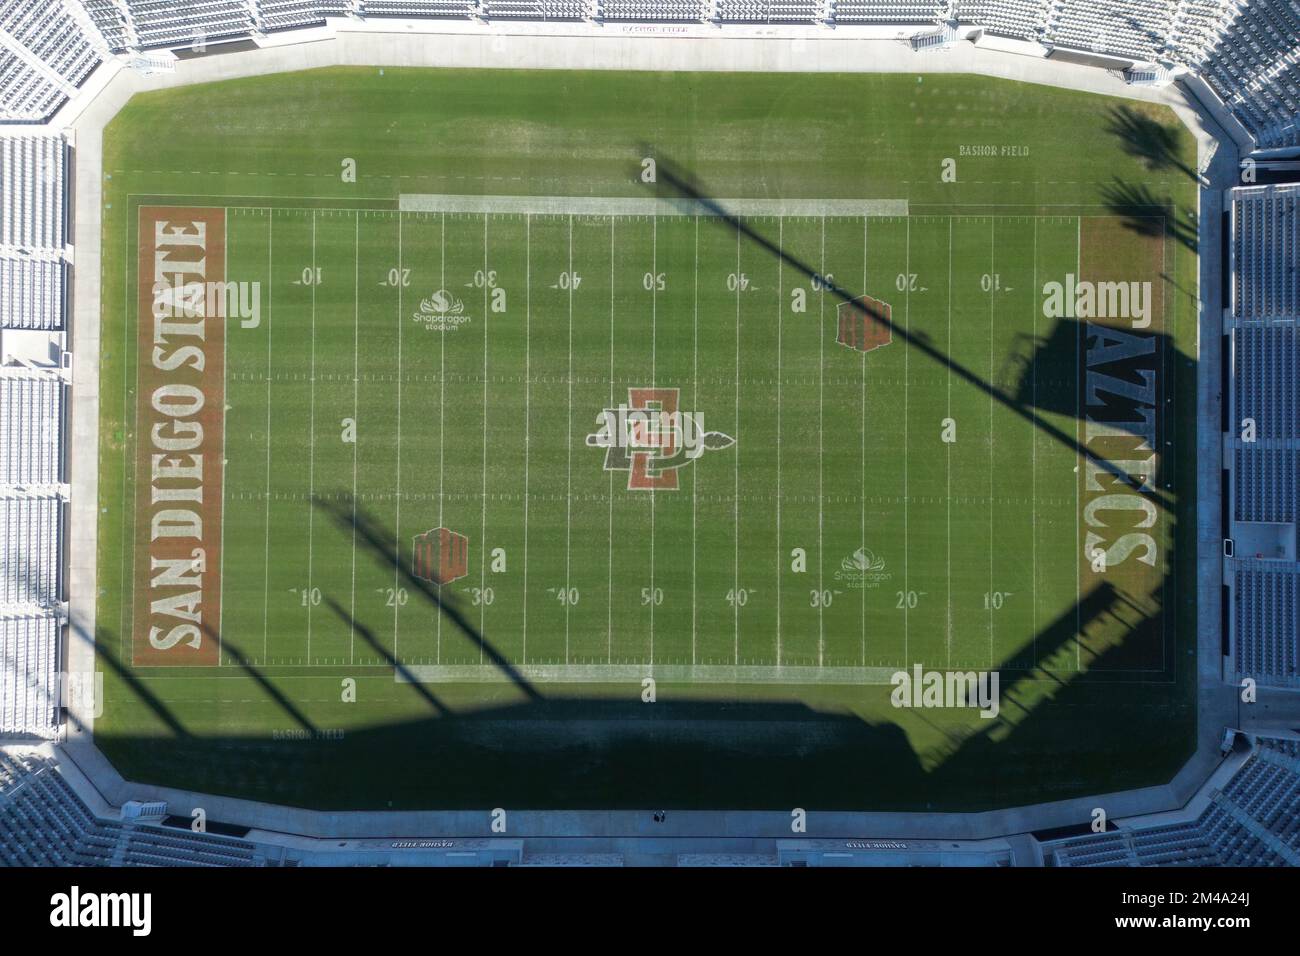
(651,438)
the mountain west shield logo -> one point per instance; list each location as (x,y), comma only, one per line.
(862,569)
(651,438)
(441,312)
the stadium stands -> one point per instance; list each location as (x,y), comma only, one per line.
(271,15)
(1265,485)
(187,22)
(1118,27)
(33,232)
(1255,69)
(654,10)
(1018,19)
(29,550)
(31,415)
(1253,821)
(33,181)
(887,11)
(29,655)
(45,54)
(44,823)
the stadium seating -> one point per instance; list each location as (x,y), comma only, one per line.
(182,22)
(44,823)
(1265,485)
(33,275)
(29,655)
(31,414)
(1119,27)
(45,54)
(1255,69)
(1253,821)
(421,8)
(1019,19)
(1267,622)
(29,550)
(1266,253)
(654,10)
(33,182)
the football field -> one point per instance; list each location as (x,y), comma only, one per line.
(575,447)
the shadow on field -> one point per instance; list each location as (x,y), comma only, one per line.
(1146,214)
(605,748)
(682,185)
(614,751)
(1034,369)
(1149,140)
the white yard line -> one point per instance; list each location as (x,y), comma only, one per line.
(225,402)
(907,354)
(695,402)
(397,526)
(948,448)
(568,444)
(130,460)
(735,580)
(528,392)
(311,444)
(666,206)
(780,314)
(609,568)
(356,414)
(863,425)
(993,284)
(1080,464)
(482,537)
(266,547)
(821,412)
(442,407)
(1033,459)
(654,383)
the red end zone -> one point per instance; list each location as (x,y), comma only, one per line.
(179,436)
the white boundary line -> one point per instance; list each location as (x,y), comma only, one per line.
(442,408)
(568,466)
(528,398)
(780,331)
(907,377)
(356,414)
(948,636)
(615,206)
(735,580)
(993,248)
(821,453)
(270,312)
(397,521)
(609,568)
(311,443)
(695,402)
(225,415)
(482,539)
(1033,461)
(654,383)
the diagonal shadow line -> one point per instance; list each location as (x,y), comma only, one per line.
(152,701)
(368,636)
(274,692)
(682,186)
(383,544)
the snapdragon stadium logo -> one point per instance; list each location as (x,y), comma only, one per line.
(651,438)
(441,312)
(862,569)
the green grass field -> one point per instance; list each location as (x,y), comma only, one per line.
(948,460)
